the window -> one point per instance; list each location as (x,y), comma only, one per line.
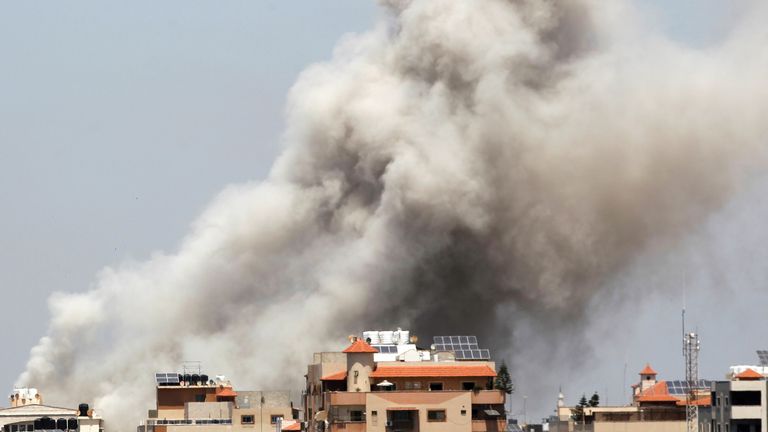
(200,398)
(468,385)
(748,398)
(273,418)
(463,412)
(246,419)
(726,400)
(357,373)
(714,399)
(436,386)
(374,417)
(436,415)
(356,416)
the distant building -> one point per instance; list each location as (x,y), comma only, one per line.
(27,413)
(657,406)
(195,403)
(446,388)
(738,404)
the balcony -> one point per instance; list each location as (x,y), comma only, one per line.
(498,425)
(348,426)
(488,397)
(347,398)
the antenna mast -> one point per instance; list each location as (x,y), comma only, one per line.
(691,346)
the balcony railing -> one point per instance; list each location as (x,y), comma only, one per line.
(153,422)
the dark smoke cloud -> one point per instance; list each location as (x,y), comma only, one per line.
(467,166)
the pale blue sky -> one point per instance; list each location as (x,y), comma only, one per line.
(120,120)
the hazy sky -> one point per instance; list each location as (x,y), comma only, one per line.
(119,121)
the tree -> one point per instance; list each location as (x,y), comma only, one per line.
(577,412)
(503,380)
(594,400)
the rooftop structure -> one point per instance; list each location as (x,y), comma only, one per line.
(415,390)
(196,402)
(27,413)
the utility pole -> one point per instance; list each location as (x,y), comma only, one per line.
(691,347)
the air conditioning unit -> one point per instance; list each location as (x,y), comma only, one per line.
(389,424)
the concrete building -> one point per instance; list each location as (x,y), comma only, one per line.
(657,406)
(738,404)
(186,403)
(351,391)
(27,413)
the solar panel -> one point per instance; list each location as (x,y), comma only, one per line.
(464,347)
(167,378)
(386,349)
(681,387)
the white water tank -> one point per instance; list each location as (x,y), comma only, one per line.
(373,336)
(385,337)
(404,337)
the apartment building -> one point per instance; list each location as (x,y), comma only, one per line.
(28,413)
(444,388)
(738,404)
(657,406)
(193,402)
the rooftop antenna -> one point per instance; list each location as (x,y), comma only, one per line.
(691,347)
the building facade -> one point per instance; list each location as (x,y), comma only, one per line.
(28,413)
(198,404)
(351,391)
(738,404)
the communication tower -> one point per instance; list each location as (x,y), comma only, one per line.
(691,346)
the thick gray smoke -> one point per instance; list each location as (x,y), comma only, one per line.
(467,166)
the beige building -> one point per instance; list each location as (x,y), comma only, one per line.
(657,406)
(214,406)
(27,413)
(349,391)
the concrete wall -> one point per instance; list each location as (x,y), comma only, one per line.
(655,426)
(457,406)
(208,410)
(359,368)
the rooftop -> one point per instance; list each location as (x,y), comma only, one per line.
(360,346)
(648,370)
(433,370)
(749,375)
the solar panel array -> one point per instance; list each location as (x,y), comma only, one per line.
(167,378)
(763,356)
(681,387)
(464,347)
(386,349)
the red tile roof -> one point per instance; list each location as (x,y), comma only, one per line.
(749,375)
(294,427)
(360,346)
(657,393)
(433,370)
(338,376)
(702,401)
(225,392)
(648,370)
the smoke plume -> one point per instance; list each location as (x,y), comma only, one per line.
(465,167)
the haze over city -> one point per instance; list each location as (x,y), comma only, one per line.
(123,124)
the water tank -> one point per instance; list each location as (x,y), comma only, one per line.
(38,424)
(187,378)
(195,379)
(385,337)
(401,337)
(204,379)
(61,424)
(373,336)
(48,423)
(82,410)
(72,424)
